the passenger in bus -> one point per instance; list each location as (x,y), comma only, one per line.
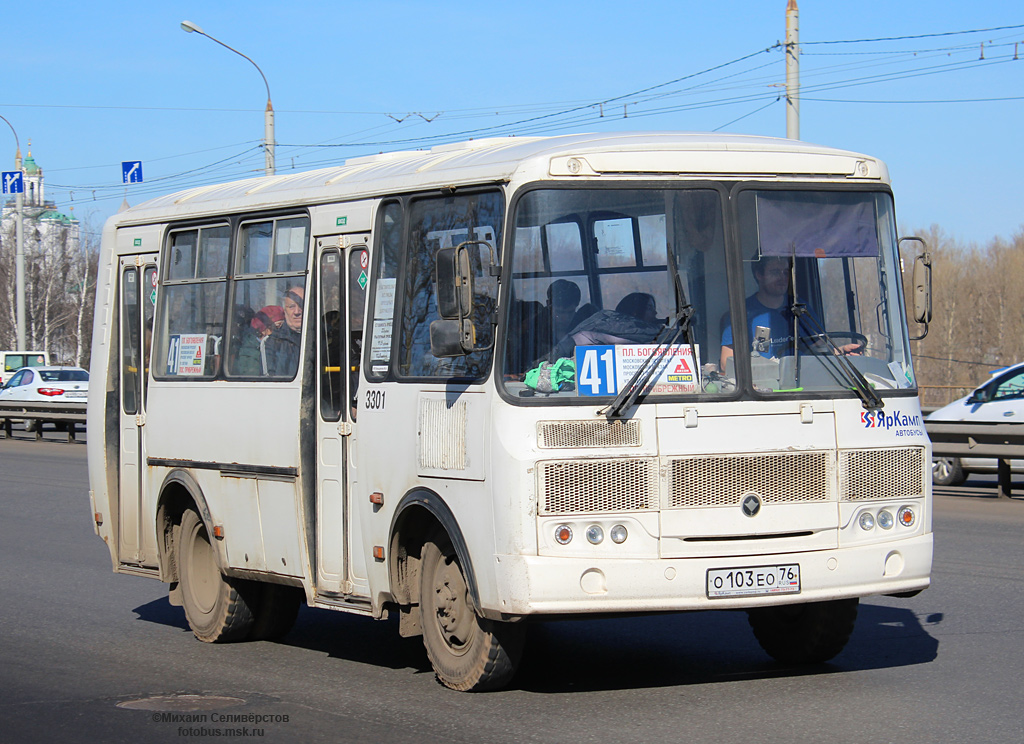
(284,345)
(633,321)
(252,353)
(560,311)
(536,327)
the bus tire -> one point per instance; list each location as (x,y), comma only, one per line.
(278,608)
(219,609)
(801,634)
(468,652)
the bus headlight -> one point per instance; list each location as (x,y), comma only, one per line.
(618,534)
(867,521)
(595,535)
(885,520)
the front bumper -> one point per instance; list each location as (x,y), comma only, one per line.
(534,585)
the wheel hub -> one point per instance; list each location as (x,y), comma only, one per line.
(451,603)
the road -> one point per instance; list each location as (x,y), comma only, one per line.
(86,654)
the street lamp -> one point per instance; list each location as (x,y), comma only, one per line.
(268,117)
(19,248)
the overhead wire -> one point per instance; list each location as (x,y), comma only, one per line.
(551,117)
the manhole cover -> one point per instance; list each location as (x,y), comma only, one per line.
(181,702)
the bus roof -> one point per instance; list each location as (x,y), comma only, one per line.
(582,156)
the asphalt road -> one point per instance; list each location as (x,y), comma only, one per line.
(90,656)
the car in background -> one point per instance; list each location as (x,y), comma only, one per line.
(1001,400)
(46,385)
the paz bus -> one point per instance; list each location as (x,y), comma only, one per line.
(488,382)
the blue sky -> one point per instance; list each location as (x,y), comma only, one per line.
(94,84)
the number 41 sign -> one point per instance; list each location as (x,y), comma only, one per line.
(603,370)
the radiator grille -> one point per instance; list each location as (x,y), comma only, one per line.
(870,475)
(723,480)
(565,434)
(633,484)
(586,486)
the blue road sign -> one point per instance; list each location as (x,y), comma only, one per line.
(131,170)
(14,183)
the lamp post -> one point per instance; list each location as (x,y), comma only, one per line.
(268,116)
(19,248)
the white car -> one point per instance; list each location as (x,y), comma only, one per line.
(46,385)
(1001,399)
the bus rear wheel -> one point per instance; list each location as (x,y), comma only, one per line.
(809,633)
(219,609)
(468,652)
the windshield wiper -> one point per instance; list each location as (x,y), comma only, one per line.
(678,325)
(847,369)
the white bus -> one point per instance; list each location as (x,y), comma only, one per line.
(498,380)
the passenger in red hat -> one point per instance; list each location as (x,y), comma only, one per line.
(252,355)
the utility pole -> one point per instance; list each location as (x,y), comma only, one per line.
(19,257)
(792,70)
(19,247)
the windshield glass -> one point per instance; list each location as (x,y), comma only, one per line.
(594,283)
(594,288)
(822,293)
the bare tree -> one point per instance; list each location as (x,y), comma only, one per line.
(978,323)
(61,261)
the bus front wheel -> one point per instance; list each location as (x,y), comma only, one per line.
(468,652)
(219,609)
(809,633)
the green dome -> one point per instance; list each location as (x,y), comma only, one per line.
(30,166)
(52,215)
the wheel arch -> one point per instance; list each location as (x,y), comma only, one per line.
(418,515)
(178,492)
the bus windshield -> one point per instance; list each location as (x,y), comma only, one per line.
(604,278)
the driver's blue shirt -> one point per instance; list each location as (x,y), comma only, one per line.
(779,320)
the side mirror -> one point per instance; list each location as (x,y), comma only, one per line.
(455,334)
(922,286)
(454,282)
(452,338)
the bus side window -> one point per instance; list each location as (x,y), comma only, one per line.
(188,338)
(446,222)
(388,256)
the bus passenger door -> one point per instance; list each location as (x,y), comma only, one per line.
(138,298)
(342,271)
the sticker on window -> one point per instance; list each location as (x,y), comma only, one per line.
(604,370)
(186,354)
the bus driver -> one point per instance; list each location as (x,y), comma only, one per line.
(771,307)
(768,307)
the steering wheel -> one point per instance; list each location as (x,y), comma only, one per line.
(818,341)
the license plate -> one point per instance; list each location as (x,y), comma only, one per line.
(752,581)
(76,394)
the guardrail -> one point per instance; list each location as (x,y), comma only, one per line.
(70,413)
(1003,442)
